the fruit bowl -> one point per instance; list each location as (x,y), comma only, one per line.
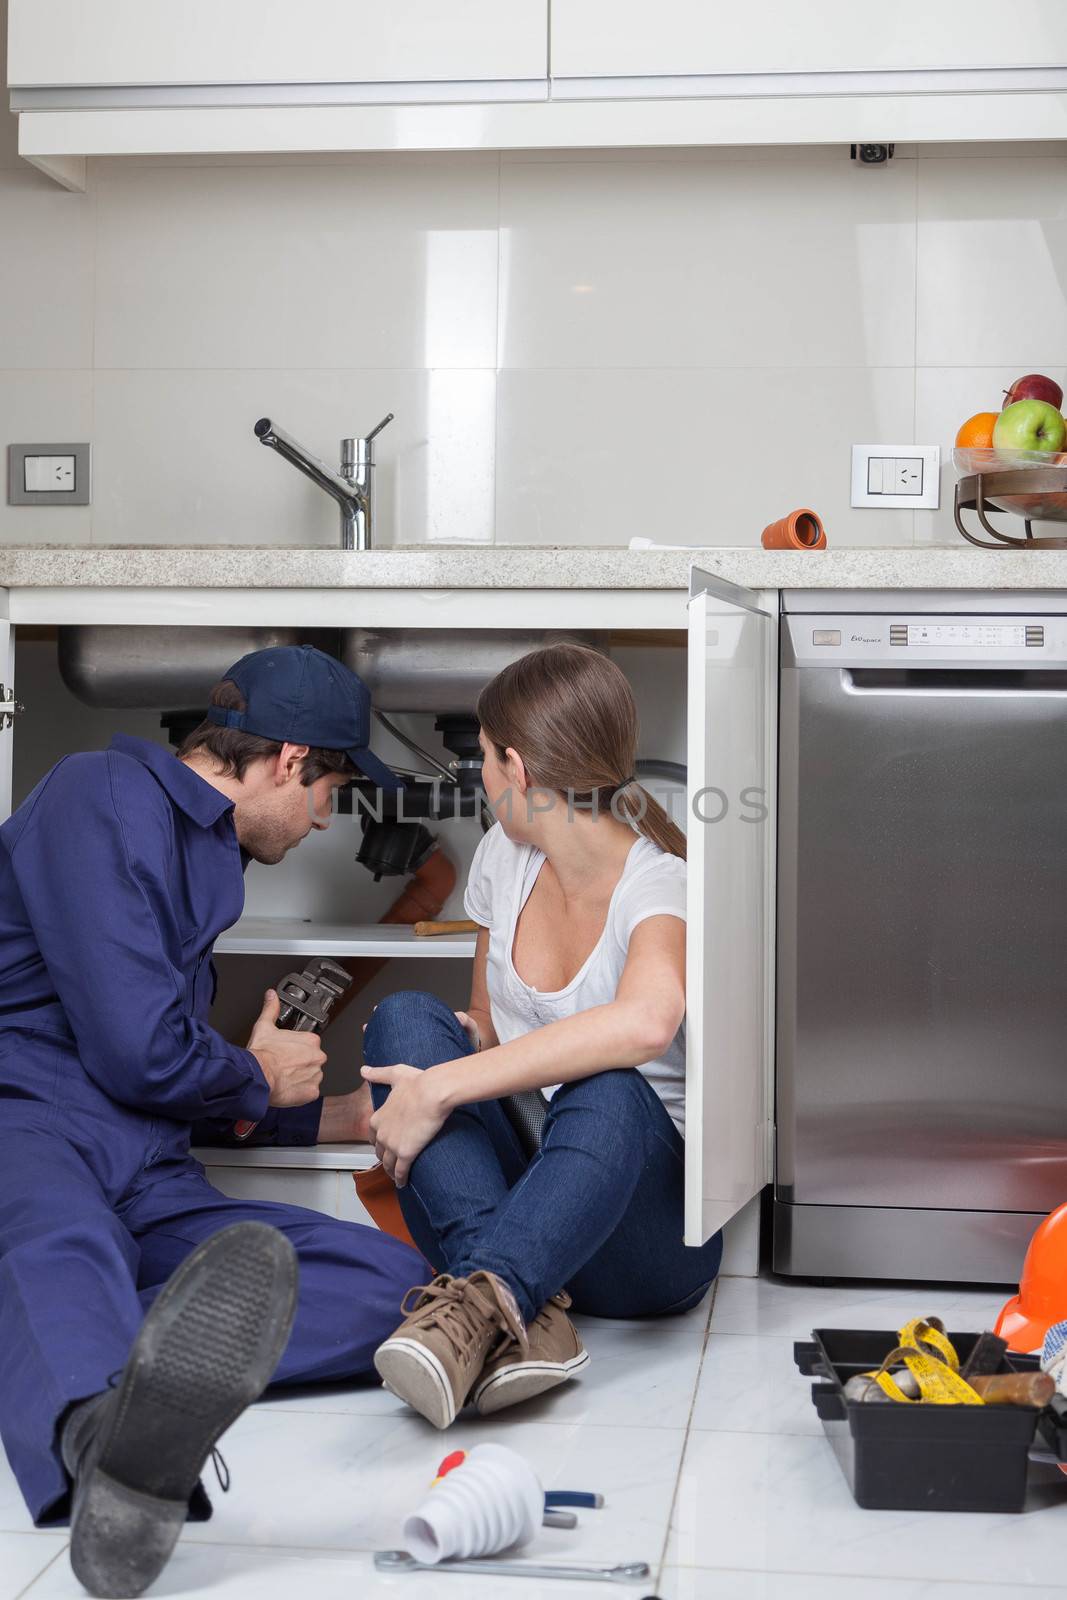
(986,484)
(968,461)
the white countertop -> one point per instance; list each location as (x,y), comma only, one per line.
(429,566)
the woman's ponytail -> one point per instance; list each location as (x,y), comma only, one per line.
(643,811)
(570,713)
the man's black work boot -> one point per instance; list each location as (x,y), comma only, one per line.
(208,1347)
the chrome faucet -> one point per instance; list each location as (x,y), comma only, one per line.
(352,487)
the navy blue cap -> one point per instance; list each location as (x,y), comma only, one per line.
(296,694)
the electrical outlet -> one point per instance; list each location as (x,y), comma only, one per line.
(904,477)
(49,474)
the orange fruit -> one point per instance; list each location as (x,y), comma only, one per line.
(977,431)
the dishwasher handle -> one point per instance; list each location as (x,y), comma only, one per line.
(1049,682)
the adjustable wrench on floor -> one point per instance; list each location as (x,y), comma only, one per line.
(401,1561)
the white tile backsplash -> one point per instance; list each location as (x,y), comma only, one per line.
(579,346)
(685,456)
(992,281)
(706,265)
(38,407)
(46,272)
(178,463)
(289,267)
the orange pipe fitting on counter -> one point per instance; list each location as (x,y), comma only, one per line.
(800,530)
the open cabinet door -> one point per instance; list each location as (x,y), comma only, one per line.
(730,893)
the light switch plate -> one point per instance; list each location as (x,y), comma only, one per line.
(904,477)
(49,475)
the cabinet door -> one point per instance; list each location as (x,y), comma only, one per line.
(245,42)
(690,38)
(730,895)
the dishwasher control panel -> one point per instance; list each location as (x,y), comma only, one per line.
(969,635)
(885,640)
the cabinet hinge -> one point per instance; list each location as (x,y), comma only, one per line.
(9,707)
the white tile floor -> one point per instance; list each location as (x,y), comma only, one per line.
(700,1434)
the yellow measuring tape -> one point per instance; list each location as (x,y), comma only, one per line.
(932,1362)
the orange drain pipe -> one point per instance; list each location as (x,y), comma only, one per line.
(422,897)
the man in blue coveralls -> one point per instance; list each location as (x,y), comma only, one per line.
(140,1310)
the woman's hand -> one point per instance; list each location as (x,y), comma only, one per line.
(408,1120)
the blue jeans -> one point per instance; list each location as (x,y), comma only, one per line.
(598,1211)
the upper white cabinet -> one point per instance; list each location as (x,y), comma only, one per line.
(142,43)
(689,39)
(151,77)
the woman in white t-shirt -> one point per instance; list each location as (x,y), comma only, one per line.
(578,991)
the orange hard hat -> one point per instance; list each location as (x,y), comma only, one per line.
(1042,1298)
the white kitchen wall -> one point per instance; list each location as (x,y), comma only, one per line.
(578,347)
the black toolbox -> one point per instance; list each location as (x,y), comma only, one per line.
(899,1457)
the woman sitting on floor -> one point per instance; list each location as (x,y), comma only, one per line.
(579,991)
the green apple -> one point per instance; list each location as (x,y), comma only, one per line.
(1029,425)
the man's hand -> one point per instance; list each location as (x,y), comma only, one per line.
(291,1062)
(470,1028)
(409,1119)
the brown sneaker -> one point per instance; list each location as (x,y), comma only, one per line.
(555,1354)
(438,1351)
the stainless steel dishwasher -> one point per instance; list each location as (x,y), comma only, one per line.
(922,939)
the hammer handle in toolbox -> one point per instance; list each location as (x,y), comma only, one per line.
(1015,1388)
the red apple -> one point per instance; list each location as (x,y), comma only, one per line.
(1033,387)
